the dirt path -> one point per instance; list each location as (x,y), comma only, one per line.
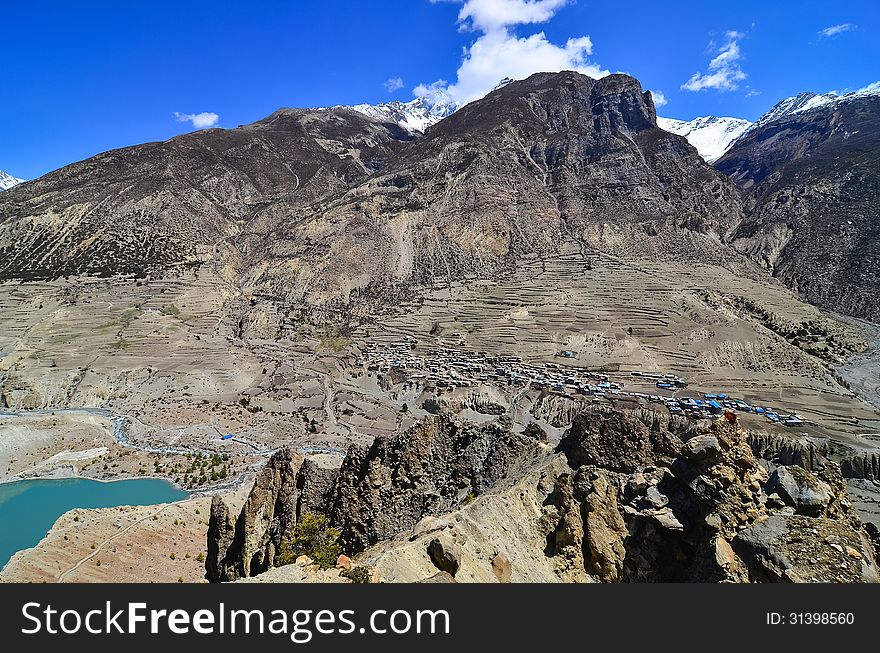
(98,548)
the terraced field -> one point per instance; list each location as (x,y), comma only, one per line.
(189,360)
(648,316)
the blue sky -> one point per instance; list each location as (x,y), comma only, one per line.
(81,78)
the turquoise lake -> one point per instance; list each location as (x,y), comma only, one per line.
(29,508)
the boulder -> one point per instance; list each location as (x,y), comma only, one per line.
(501,567)
(440,577)
(703,448)
(445,555)
(801,490)
(535,432)
(801,549)
(428,525)
(619,441)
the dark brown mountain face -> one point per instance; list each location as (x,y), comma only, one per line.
(142,208)
(556,162)
(574,157)
(811,183)
(331,207)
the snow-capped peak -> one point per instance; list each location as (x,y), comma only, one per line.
(809,101)
(710,135)
(419,114)
(8,181)
(414,116)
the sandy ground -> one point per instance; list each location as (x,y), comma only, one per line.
(126,544)
(50,445)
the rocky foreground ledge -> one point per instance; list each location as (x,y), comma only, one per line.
(625,496)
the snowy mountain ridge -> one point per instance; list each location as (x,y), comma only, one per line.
(808,101)
(711,136)
(7,181)
(414,116)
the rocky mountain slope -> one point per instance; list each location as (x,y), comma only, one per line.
(810,183)
(330,207)
(186,200)
(7,181)
(711,136)
(628,496)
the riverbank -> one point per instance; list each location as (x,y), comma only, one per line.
(158,543)
(95,443)
(124,544)
(33,506)
(53,444)
(862,372)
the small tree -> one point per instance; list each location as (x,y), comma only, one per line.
(313,537)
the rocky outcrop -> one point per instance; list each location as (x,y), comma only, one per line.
(862,465)
(565,530)
(814,454)
(620,440)
(681,519)
(379,491)
(798,549)
(784,450)
(247,547)
(629,496)
(605,529)
(219,564)
(556,409)
(485,404)
(430,469)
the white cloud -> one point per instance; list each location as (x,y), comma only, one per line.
(394,84)
(724,72)
(834,30)
(659,99)
(435,92)
(498,52)
(491,15)
(198,120)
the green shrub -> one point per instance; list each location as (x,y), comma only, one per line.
(314,537)
(356,574)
